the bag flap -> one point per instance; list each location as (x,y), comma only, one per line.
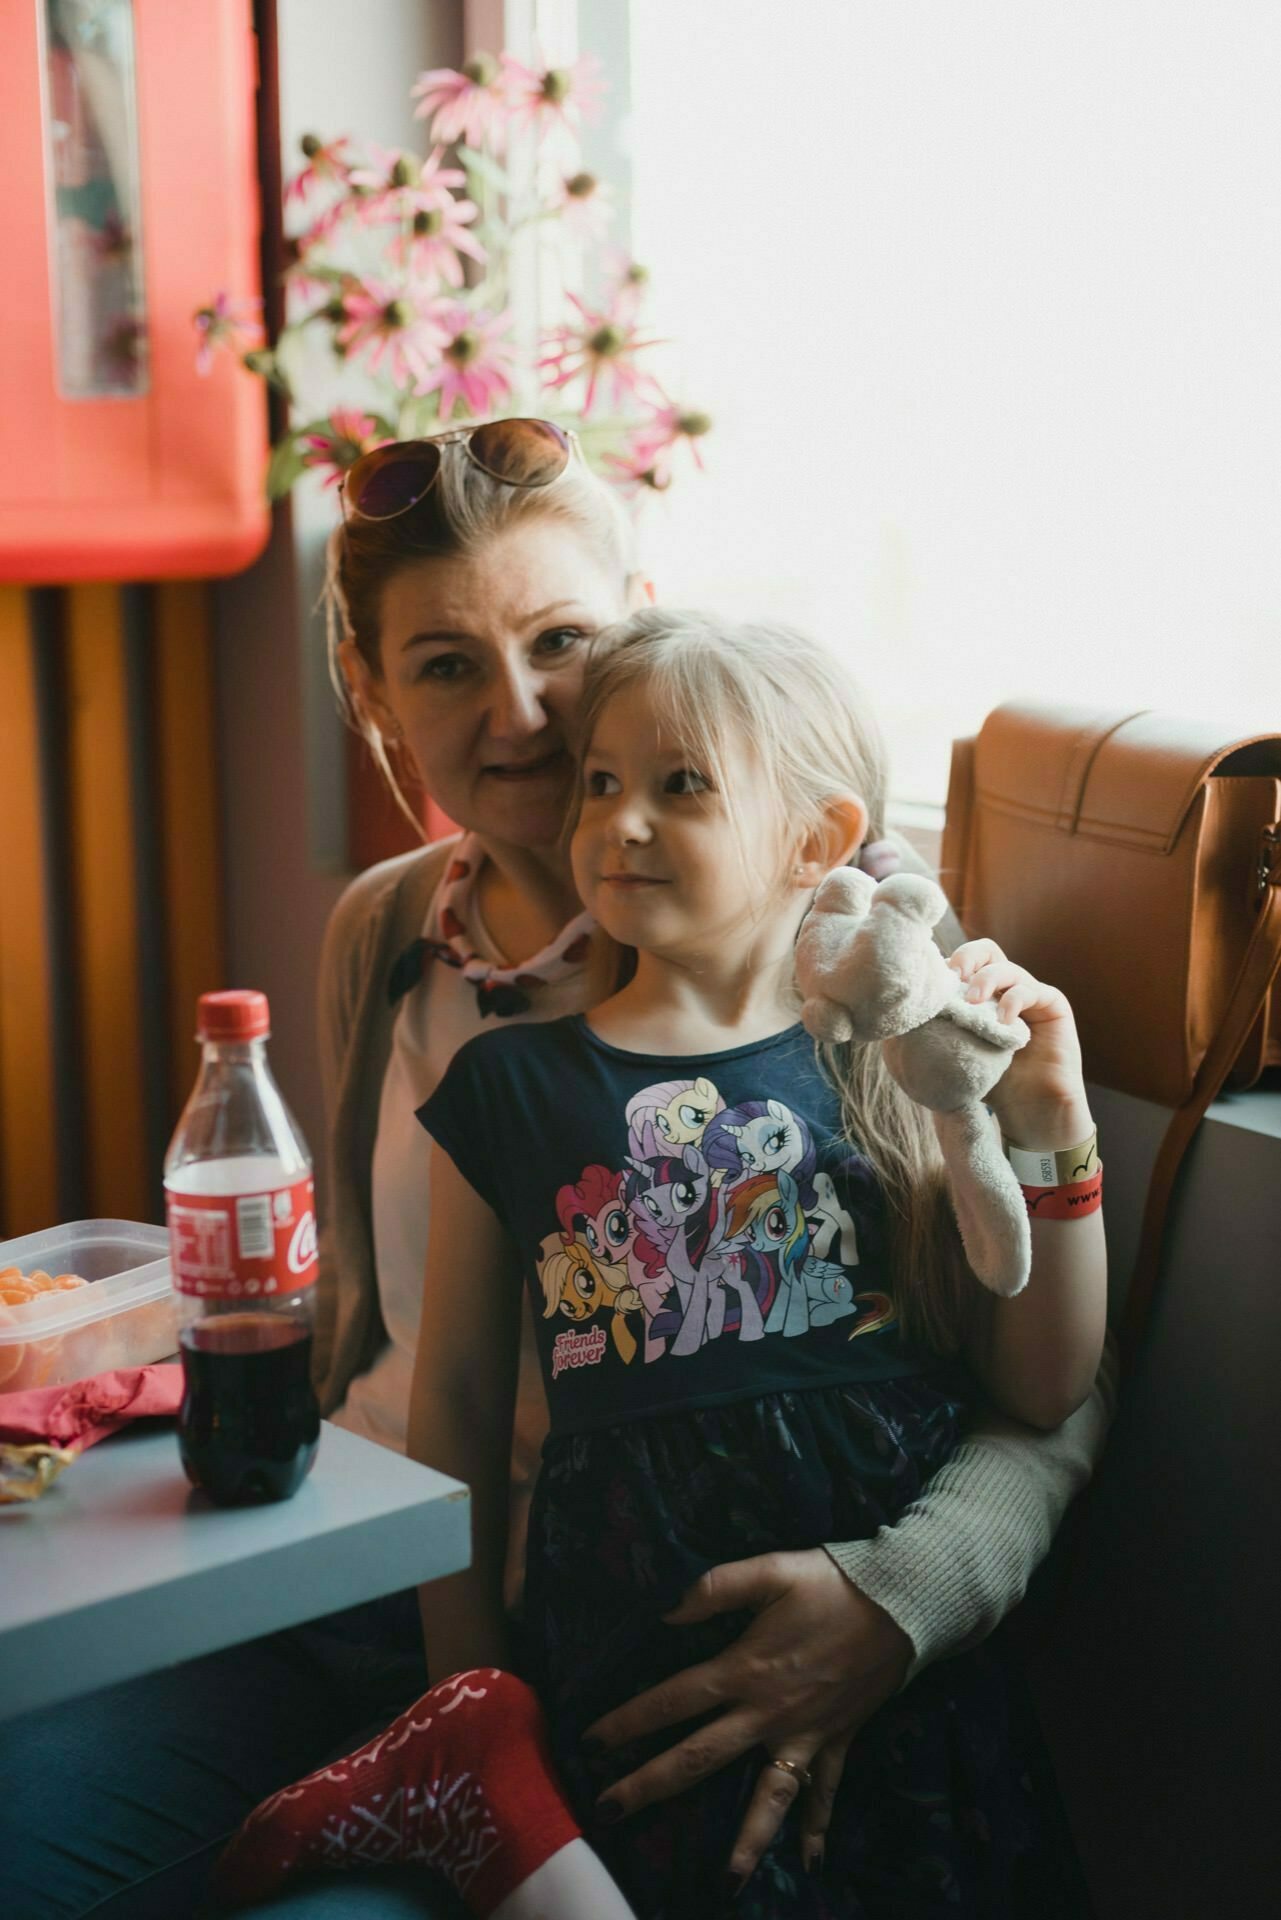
(1108,774)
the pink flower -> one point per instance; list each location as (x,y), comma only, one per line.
(418,197)
(337,443)
(398,184)
(629,282)
(668,429)
(325,162)
(585,205)
(476,366)
(226,323)
(469,106)
(395,324)
(548,98)
(436,237)
(602,349)
(637,471)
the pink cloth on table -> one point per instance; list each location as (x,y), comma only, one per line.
(77,1415)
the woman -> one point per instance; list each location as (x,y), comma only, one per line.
(465,615)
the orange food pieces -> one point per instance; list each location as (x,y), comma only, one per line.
(17,1288)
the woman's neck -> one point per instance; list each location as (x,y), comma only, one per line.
(525,895)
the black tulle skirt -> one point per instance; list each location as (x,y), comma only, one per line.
(947,1806)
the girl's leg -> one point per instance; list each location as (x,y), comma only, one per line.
(572,1885)
(462,1783)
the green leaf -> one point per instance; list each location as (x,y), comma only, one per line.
(486,168)
(263,362)
(284,467)
(312,270)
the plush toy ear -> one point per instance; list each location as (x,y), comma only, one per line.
(846,891)
(835,842)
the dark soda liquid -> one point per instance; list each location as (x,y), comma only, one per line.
(249,1423)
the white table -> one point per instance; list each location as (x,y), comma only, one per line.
(121,1569)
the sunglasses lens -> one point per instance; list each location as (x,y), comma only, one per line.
(523,453)
(391,479)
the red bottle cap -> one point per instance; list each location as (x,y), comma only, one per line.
(238,1014)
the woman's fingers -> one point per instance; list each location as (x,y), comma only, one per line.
(692,1759)
(827,1768)
(693,1691)
(777,1787)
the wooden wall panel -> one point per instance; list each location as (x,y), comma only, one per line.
(28,1132)
(187,795)
(105,904)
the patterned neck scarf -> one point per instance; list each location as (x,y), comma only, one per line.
(500,990)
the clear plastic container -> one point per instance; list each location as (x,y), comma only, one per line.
(124,1317)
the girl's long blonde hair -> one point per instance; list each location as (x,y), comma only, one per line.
(813,736)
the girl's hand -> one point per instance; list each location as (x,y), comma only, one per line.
(815,1664)
(1040,1099)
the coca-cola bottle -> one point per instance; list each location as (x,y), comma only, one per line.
(242,1243)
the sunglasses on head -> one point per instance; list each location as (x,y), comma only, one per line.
(392,479)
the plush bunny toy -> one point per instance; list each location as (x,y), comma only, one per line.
(868,967)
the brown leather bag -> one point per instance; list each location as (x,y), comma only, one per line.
(1134,859)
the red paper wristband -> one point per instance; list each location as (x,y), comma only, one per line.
(1066,1203)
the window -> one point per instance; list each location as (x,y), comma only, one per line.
(983,300)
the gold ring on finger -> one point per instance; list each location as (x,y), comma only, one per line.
(797,1772)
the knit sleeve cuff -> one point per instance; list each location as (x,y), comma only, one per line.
(962,1554)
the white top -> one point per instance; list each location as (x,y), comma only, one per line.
(434,1020)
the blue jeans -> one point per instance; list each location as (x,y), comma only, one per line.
(117,1805)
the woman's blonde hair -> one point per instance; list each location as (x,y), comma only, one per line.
(813,736)
(464,510)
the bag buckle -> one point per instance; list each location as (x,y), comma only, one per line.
(1268,873)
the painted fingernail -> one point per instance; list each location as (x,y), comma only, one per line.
(814,1862)
(609,1811)
(974,993)
(732,1885)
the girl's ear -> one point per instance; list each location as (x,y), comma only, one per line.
(833,843)
(365,692)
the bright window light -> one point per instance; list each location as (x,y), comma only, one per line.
(984,300)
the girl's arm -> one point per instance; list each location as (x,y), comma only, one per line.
(1038,1353)
(461,1405)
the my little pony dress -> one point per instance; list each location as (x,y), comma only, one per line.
(726,1377)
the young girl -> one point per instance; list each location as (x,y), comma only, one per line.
(757,1335)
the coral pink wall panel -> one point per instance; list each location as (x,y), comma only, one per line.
(165,479)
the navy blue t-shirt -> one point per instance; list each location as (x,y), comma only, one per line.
(693,1230)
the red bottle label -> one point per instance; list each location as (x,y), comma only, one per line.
(250,1246)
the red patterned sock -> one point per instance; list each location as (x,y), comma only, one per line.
(462,1782)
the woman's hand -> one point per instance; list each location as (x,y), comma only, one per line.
(1040,1099)
(815,1664)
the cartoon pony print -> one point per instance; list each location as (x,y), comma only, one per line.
(807,1291)
(796,1288)
(832,1230)
(676,1201)
(578,1285)
(762,1136)
(593,1212)
(670,1115)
